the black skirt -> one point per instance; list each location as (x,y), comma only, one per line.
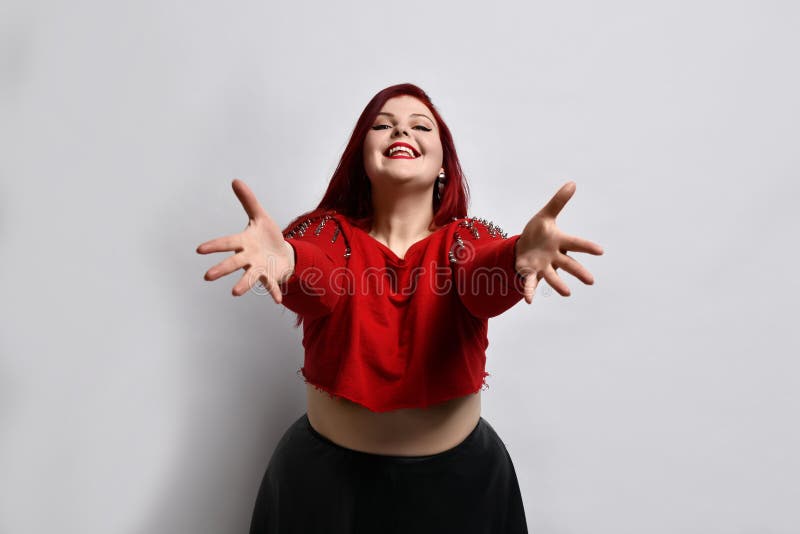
(315,486)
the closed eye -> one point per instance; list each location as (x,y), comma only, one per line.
(384,126)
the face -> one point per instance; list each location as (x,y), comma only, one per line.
(403,143)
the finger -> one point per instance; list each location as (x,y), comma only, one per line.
(248,199)
(574,268)
(529,288)
(221,244)
(272,288)
(559,200)
(234,263)
(556,282)
(249,279)
(242,286)
(578,244)
(268,282)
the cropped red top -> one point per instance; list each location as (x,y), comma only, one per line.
(389,332)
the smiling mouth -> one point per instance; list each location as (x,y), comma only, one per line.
(400,152)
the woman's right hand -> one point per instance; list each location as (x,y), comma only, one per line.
(260,249)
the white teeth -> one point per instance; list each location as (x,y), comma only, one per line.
(396,149)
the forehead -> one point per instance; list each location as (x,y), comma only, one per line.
(406,105)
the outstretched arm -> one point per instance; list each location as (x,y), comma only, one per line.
(493,272)
(320,274)
(483,261)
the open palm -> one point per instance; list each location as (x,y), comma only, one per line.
(542,248)
(260,249)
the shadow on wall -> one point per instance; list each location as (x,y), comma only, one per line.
(241,390)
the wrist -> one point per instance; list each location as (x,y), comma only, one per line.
(516,258)
(291,260)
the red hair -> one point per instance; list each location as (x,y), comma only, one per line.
(349,191)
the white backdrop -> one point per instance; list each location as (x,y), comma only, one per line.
(135,397)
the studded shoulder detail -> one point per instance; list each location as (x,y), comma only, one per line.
(319,222)
(472,224)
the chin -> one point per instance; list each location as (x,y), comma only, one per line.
(400,178)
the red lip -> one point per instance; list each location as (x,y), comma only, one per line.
(406,145)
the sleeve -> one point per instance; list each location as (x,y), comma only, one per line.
(483,259)
(321,252)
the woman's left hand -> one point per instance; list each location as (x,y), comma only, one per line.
(542,248)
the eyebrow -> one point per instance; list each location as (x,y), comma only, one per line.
(412,115)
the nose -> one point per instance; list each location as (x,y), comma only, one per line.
(400,130)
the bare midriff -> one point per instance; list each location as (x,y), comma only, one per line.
(404,432)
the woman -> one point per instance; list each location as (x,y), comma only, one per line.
(393,439)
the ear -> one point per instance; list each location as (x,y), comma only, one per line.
(441,171)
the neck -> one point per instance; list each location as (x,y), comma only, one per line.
(401,216)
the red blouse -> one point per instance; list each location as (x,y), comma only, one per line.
(389,332)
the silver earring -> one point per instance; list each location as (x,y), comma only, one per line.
(440,185)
